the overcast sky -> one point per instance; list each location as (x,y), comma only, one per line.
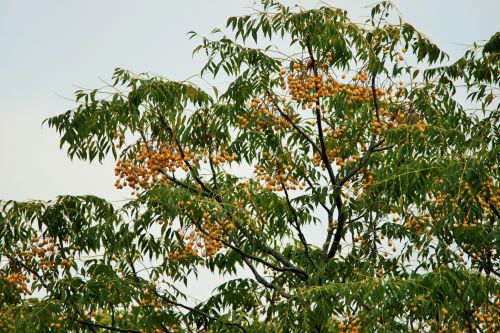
(48,48)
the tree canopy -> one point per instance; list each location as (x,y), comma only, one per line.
(365,133)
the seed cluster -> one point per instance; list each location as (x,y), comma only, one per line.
(202,239)
(334,157)
(264,114)
(488,319)
(57,325)
(148,167)
(120,137)
(20,282)
(349,324)
(307,88)
(278,180)
(40,254)
(44,252)
(7,320)
(486,197)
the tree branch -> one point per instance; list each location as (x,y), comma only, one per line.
(338,198)
(184,185)
(297,226)
(235,248)
(296,127)
(342,217)
(206,315)
(495,210)
(361,163)
(323,153)
(212,168)
(181,152)
(109,328)
(29,269)
(329,233)
(314,192)
(263,281)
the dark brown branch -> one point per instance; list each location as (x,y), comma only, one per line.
(263,281)
(181,152)
(109,328)
(342,217)
(297,128)
(184,185)
(333,178)
(29,269)
(329,233)
(278,256)
(235,248)
(269,250)
(323,153)
(495,272)
(360,165)
(495,210)
(206,315)
(297,226)
(314,192)
(112,314)
(375,100)
(212,168)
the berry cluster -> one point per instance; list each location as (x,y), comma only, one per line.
(202,239)
(57,325)
(144,169)
(349,324)
(277,180)
(264,114)
(20,282)
(148,167)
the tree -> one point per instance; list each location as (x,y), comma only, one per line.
(356,129)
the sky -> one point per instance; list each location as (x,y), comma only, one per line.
(50,48)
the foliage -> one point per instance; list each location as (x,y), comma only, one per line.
(354,131)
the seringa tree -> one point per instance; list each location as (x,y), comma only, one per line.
(354,135)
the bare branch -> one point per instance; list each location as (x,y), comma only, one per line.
(296,127)
(263,281)
(183,155)
(323,153)
(329,233)
(297,226)
(312,189)
(109,328)
(212,168)
(197,311)
(361,164)
(237,249)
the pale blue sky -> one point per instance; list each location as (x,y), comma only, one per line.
(49,47)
